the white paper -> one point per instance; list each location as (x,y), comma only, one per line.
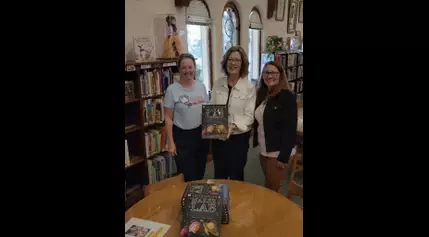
(143,228)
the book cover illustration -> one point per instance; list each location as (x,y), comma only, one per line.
(199,189)
(201,210)
(143,48)
(144,228)
(204,227)
(214,121)
(192,188)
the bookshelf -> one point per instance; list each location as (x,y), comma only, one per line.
(145,139)
(293,62)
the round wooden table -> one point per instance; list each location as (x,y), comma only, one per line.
(255,211)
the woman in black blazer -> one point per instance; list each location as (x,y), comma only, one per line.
(275,124)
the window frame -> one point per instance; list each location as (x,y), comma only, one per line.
(210,43)
(255,9)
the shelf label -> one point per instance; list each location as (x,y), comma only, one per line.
(145,66)
(171,64)
(130,68)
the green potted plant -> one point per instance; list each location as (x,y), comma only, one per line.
(274,43)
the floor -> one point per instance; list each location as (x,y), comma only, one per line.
(253,172)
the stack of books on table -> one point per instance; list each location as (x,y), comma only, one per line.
(204,208)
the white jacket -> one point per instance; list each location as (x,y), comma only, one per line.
(241,106)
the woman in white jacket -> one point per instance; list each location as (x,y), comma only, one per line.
(236,91)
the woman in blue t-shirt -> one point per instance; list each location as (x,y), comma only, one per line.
(183,105)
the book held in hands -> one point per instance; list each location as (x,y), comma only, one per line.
(214,121)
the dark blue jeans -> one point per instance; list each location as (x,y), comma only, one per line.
(191,151)
(230,156)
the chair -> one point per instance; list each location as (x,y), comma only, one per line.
(295,189)
(173,181)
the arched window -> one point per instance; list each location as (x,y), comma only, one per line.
(199,39)
(255,38)
(230,27)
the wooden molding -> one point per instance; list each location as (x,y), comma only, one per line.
(271,6)
(182,3)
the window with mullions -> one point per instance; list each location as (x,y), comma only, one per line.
(230,27)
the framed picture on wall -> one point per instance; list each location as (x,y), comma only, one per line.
(280,10)
(301,12)
(292,17)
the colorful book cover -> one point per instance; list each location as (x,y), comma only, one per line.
(214,121)
(202,210)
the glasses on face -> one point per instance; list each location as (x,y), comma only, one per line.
(234,60)
(270,74)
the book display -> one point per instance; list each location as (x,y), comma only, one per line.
(204,208)
(145,139)
(214,121)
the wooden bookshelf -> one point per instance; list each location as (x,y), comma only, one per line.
(293,62)
(145,85)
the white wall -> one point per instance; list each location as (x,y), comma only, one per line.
(139,18)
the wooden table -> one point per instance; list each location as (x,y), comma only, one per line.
(255,211)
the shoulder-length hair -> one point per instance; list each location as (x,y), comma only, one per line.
(244,70)
(263,92)
(184,56)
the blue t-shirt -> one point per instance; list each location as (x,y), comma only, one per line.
(186,104)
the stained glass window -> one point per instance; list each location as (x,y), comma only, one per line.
(230,30)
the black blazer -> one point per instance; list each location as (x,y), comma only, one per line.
(280,124)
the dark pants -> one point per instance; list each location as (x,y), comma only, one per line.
(230,156)
(191,151)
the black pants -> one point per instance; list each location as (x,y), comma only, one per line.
(230,156)
(191,151)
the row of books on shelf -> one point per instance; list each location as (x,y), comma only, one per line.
(161,167)
(300,72)
(153,111)
(129,158)
(290,60)
(152,82)
(297,86)
(155,82)
(155,141)
(294,73)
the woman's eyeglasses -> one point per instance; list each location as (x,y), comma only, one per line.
(270,73)
(233,60)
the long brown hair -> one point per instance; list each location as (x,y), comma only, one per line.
(263,93)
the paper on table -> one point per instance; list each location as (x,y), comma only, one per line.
(143,228)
